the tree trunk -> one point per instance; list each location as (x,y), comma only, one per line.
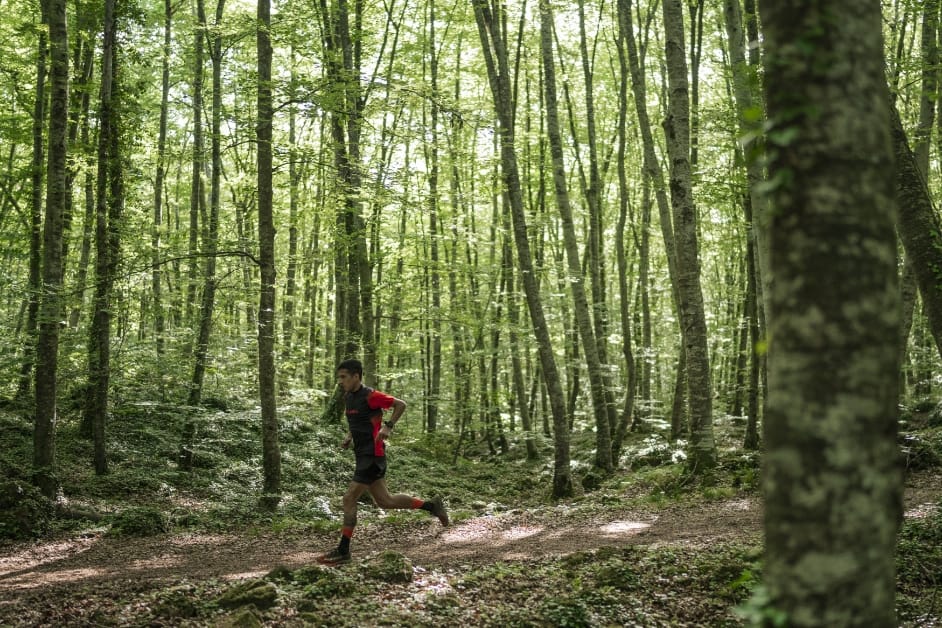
(197,186)
(495,54)
(36,220)
(211,234)
(271,450)
(751,440)
(156,270)
(832,479)
(287,325)
(88,188)
(689,292)
(598,380)
(654,174)
(919,228)
(44,434)
(596,248)
(921,144)
(435,374)
(108,205)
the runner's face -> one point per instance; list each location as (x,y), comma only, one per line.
(348,381)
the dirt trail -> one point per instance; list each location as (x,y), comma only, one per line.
(94,562)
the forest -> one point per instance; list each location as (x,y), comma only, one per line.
(654,285)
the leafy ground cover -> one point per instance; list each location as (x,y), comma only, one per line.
(647,548)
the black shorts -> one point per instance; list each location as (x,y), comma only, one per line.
(369,469)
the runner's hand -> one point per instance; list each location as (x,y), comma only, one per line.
(346,442)
(383,433)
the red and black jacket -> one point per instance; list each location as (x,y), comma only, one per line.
(365,415)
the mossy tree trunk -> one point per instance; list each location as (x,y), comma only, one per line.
(831,478)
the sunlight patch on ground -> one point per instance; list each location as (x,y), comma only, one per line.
(245,575)
(44,554)
(430,583)
(921,511)
(41,578)
(520,532)
(618,528)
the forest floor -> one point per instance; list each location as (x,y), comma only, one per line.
(95,579)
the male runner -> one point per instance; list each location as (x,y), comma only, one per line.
(368,433)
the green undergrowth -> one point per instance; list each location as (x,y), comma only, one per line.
(611,586)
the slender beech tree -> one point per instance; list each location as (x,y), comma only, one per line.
(622,259)
(654,173)
(211,229)
(157,229)
(919,228)
(108,209)
(271,450)
(689,291)
(598,379)
(831,477)
(435,372)
(35,214)
(50,308)
(748,118)
(294,156)
(198,163)
(929,49)
(496,58)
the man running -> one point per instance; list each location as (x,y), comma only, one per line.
(368,433)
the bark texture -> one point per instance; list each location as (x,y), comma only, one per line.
(831,479)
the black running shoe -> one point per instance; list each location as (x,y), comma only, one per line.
(334,557)
(438,510)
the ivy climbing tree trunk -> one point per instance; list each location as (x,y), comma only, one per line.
(50,308)
(495,54)
(832,480)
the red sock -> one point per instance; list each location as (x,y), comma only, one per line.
(417,503)
(346,531)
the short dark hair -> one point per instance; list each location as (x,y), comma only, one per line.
(354,367)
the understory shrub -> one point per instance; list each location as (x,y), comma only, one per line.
(139,521)
(920,451)
(24,512)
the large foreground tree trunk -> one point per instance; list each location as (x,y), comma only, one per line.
(831,480)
